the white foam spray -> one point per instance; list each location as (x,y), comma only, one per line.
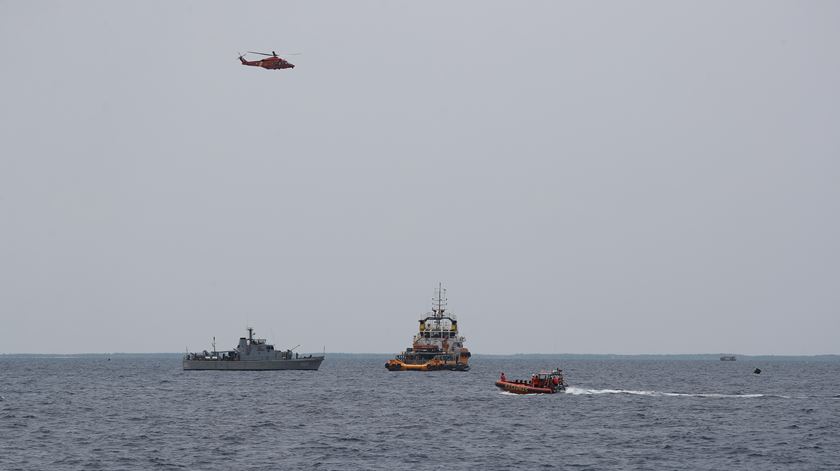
(584,391)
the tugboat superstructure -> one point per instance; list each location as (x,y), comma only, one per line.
(437,345)
(250,354)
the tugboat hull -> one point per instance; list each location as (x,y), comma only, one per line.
(256,365)
(433,365)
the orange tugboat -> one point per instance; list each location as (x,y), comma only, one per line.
(542,383)
(437,346)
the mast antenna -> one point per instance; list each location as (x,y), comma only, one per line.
(439,302)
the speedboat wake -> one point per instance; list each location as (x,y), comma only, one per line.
(586,392)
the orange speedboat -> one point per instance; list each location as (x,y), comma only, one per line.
(541,383)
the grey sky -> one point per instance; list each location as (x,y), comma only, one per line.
(617,177)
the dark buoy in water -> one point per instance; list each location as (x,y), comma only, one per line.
(757,371)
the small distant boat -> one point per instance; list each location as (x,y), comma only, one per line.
(727,358)
(541,383)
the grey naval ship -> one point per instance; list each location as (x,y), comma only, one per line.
(251,354)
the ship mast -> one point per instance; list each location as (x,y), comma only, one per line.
(439,303)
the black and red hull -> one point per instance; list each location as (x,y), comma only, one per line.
(526,388)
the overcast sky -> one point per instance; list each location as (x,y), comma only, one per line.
(591,177)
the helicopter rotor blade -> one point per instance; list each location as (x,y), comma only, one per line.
(279,53)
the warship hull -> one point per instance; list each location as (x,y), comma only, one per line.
(312,363)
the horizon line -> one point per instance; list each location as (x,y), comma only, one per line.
(804,355)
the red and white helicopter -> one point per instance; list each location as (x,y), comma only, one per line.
(273,61)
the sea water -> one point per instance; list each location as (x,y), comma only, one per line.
(132,412)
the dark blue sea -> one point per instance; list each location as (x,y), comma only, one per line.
(143,412)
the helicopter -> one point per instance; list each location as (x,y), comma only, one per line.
(273,61)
